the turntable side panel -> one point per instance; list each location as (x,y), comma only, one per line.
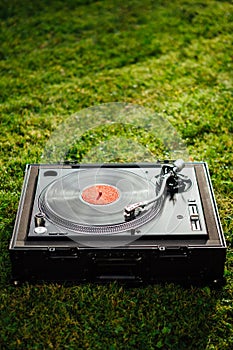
(26,204)
(207,202)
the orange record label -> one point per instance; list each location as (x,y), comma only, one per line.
(100,194)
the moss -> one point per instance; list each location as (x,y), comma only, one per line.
(57,58)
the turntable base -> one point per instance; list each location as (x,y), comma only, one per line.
(70,225)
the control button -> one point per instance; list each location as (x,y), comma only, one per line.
(194,217)
(40,230)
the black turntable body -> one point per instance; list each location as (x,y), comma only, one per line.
(135,223)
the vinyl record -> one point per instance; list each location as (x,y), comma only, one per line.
(93,200)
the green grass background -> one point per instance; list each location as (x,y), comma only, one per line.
(58,57)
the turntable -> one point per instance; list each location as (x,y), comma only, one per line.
(116,212)
(131,222)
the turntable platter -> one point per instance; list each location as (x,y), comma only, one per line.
(91,200)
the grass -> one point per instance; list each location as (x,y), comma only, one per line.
(174,57)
